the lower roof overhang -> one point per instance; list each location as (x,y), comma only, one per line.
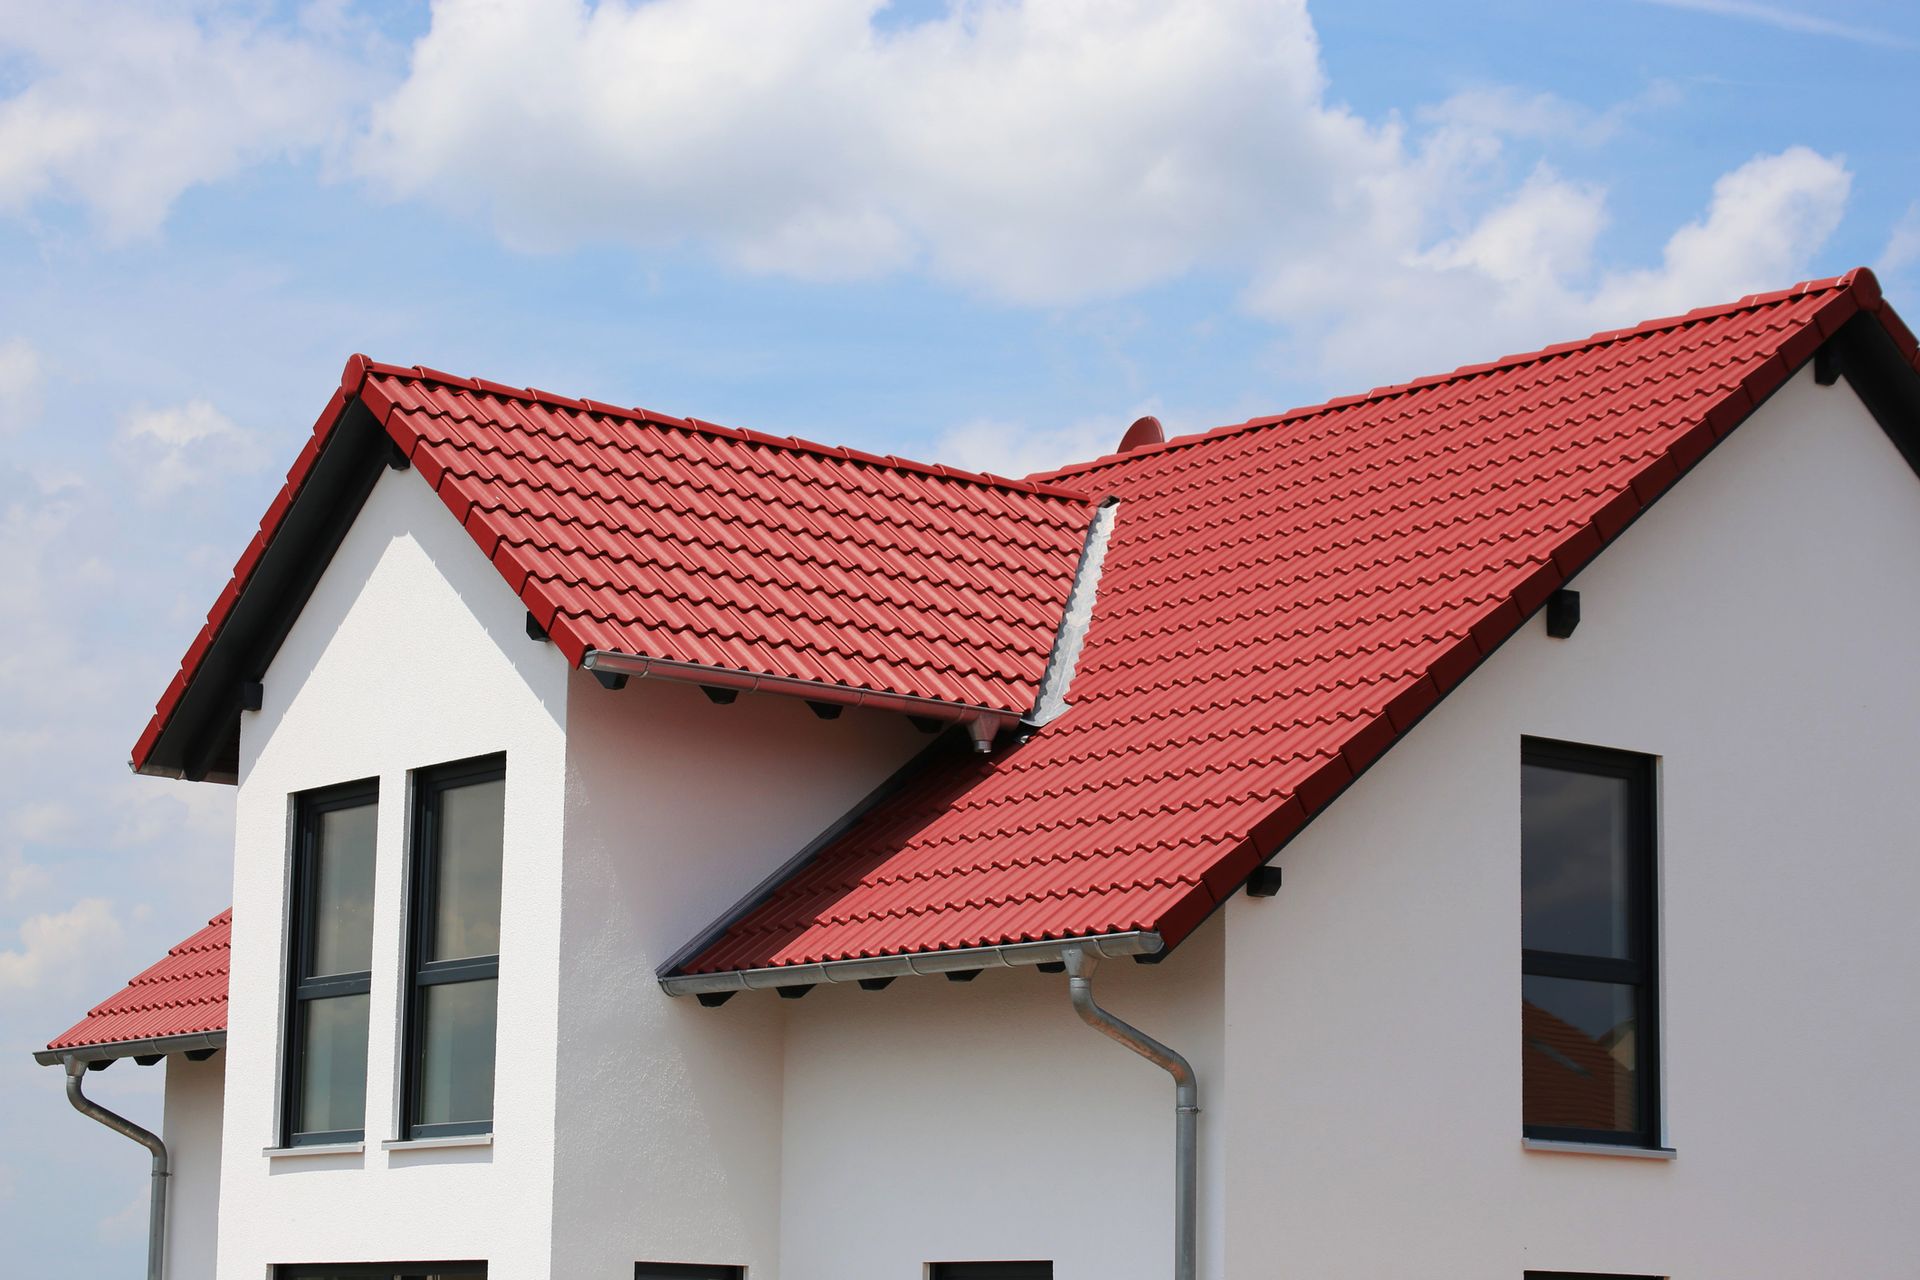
(868,968)
(198,1043)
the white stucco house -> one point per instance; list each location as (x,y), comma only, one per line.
(572,745)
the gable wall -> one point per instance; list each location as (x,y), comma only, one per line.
(670,1114)
(1756,631)
(411,652)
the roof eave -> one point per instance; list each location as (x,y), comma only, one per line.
(154,1046)
(1140,942)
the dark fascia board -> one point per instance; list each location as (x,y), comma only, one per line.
(156,1046)
(201,741)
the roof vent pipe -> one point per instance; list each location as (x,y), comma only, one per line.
(157,1205)
(1186,1105)
(1143,432)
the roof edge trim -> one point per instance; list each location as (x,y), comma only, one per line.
(359,368)
(113,1050)
(983,722)
(1143,942)
(1860,282)
(1075,618)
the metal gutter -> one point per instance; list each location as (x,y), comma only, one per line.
(1109,945)
(157,1046)
(983,723)
(1186,1105)
(1075,618)
(157,1201)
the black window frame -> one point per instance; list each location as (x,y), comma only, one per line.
(1641,970)
(428,786)
(687,1271)
(1585,1275)
(1020,1269)
(308,807)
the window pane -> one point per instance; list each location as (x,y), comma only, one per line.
(333,1067)
(466,919)
(1576,846)
(343,892)
(1579,1054)
(456,1052)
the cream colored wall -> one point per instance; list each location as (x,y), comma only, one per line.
(1756,632)
(411,652)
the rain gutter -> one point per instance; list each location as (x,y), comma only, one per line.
(983,723)
(961,960)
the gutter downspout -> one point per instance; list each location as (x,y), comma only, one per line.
(1186,1105)
(157,1213)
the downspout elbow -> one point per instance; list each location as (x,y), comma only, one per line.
(1186,1142)
(157,1204)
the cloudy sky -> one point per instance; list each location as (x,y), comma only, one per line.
(988,232)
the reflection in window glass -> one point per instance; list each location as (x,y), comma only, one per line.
(467,884)
(1587,945)
(333,1095)
(456,1052)
(1576,842)
(343,892)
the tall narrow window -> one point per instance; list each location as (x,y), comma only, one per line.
(458,827)
(330,959)
(990,1271)
(1588,1023)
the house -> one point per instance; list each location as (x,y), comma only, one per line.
(669,850)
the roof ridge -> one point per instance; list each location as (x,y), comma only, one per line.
(359,367)
(1860,280)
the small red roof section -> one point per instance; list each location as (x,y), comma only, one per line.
(674,539)
(1280,601)
(184,994)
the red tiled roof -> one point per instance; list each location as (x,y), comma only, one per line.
(1280,601)
(666,538)
(183,994)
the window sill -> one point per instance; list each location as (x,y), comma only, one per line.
(430,1144)
(315,1149)
(1597,1149)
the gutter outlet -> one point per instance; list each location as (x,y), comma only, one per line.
(157,1210)
(1186,1104)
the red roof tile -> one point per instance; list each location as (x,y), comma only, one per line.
(1280,600)
(184,994)
(640,534)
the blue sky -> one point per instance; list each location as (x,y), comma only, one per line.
(989,234)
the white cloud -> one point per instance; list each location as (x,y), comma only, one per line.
(1041,152)
(1049,152)
(20,380)
(50,943)
(1902,252)
(127,106)
(184,446)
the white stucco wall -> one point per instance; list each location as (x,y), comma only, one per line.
(1755,631)
(411,652)
(944,1122)
(670,1114)
(195,1093)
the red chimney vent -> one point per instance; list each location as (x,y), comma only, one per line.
(1143,432)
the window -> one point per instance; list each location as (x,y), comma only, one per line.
(454,947)
(1582,1275)
(385,1271)
(329,965)
(990,1271)
(685,1271)
(1588,1022)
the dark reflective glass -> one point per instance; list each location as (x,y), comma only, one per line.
(333,1065)
(1579,1054)
(456,1052)
(343,892)
(1576,856)
(466,891)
